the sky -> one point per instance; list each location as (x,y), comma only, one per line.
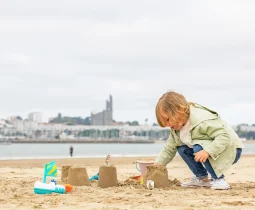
(59,56)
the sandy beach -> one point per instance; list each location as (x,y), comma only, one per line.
(18,177)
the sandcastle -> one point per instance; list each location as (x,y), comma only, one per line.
(75,175)
(107,175)
(78,176)
(157,173)
(64,173)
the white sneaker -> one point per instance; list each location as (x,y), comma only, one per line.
(219,184)
(195,182)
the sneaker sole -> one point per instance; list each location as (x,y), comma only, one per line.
(194,186)
(223,188)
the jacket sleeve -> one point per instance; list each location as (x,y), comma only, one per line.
(168,152)
(216,130)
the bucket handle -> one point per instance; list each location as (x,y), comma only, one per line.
(137,166)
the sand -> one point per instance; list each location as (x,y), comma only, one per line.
(64,172)
(18,177)
(78,176)
(158,174)
(107,176)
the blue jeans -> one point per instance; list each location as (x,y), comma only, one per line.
(197,168)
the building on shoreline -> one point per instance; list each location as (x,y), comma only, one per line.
(21,129)
(105,117)
(102,128)
(35,117)
(33,130)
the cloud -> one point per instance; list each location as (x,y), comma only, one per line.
(69,56)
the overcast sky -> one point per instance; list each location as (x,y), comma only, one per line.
(68,56)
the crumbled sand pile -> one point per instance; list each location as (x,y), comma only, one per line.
(174,182)
(130,183)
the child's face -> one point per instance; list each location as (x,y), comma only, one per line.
(176,125)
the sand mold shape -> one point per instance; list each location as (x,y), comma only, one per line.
(157,173)
(78,176)
(107,176)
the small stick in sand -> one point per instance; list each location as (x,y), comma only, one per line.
(108,159)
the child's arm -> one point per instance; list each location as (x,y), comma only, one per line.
(169,151)
(215,130)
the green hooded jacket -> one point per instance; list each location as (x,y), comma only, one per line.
(208,130)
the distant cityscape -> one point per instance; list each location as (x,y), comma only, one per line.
(99,126)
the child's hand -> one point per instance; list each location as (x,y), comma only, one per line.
(201,156)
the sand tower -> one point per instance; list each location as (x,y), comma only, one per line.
(107,174)
(157,173)
(76,175)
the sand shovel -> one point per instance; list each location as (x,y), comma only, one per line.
(138,178)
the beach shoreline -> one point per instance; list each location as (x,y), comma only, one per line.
(16,163)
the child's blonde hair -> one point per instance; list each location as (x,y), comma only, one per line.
(173,104)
